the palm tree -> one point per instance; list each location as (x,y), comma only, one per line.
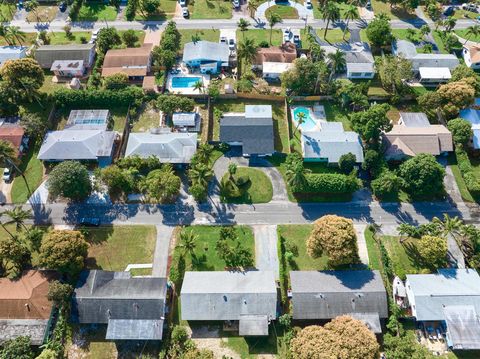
(15,33)
(243,26)
(198,86)
(203,152)
(300,118)
(273,19)
(473,30)
(425,30)
(8,157)
(331,13)
(196,38)
(188,242)
(428,48)
(18,216)
(247,50)
(449,225)
(5,228)
(200,174)
(449,23)
(252,7)
(296,175)
(351,13)
(337,62)
(4,33)
(317,52)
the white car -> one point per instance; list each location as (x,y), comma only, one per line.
(185,12)
(94,36)
(308,4)
(7,174)
(231,44)
(183,3)
(286,34)
(236,4)
(470,7)
(223,40)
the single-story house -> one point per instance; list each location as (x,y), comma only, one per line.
(68,68)
(15,134)
(435,67)
(249,298)
(472,115)
(133,308)
(170,147)
(253,130)
(206,56)
(24,306)
(135,62)
(414,135)
(451,298)
(12,53)
(275,60)
(358,57)
(187,121)
(471,55)
(330,143)
(324,295)
(46,55)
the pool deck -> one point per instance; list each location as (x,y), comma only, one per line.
(316,115)
(187,90)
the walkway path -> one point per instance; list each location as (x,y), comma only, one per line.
(451,186)
(455,255)
(160,256)
(266,250)
(362,244)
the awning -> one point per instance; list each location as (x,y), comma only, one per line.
(131,329)
(256,325)
(463,327)
(371,320)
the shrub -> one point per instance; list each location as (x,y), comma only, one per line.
(331,183)
(388,183)
(347,162)
(471,181)
(75,98)
(242,180)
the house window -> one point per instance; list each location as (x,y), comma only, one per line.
(356,74)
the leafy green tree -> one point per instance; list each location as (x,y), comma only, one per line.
(306,77)
(107,39)
(33,238)
(118,181)
(129,38)
(387,184)
(373,162)
(394,71)
(64,251)
(150,6)
(379,32)
(433,251)
(59,293)
(461,130)
(47,354)
(347,162)
(69,179)
(18,348)
(24,77)
(204,151)
(422,175)
(34,125)
(464,73)
(116,81)
(370,123)
(172,103)
(230,249)
(404,347)
(162,185)
(14,255)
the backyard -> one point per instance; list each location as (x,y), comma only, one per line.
(118,114)
(257,190)
(33,171)
(280,126)
(96,11)
(210,9)
(114,247)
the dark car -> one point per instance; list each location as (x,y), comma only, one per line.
(62,7)
(89,221)
(449,11)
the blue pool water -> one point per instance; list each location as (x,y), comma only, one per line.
(183,82)
(308,124)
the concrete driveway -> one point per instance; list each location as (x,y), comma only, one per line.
(266,250)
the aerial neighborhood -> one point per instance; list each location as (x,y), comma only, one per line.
(239,179)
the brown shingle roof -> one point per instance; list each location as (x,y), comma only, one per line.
(26,298)
(12,134)
(132,61)
(286,53)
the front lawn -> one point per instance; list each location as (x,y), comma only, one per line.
(205,253)
(7,11)
(96,11)
(33,170)
(259,35)
(333,36)
(43,13)
(210,9)
(317,13)
(30,38)
(285,11)
(60,38)
(114,247)
(257,190)
(393,13)
(166,10)
(463,34)
(205,35)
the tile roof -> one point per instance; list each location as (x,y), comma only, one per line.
(286,53)
(133,61)
(13,134)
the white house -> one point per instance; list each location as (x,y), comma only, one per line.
(12,53)
(471,55)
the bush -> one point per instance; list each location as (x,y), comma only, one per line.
(387,184)
(116,81)
(242,180)
(131,9)
(471,181)
(97,98)
(331,183)
(347,162)
(70,180)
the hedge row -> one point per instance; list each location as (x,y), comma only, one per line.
(471,181)
(331,183)
(73,98)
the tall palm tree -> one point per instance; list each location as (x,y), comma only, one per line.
(199,86)
(4,33)
(449,23)
(273,19)
(247,49)
(297,175)
(200,174)
(188,242)
(331,13)
(203,152)
(18,216)
(473,30)
(243,26)
(449,225)
(15,33)
(8,157)
(425,30)
(337,62)
(252,7)
(351,13)
(317,52)
(300,118)
(5,228)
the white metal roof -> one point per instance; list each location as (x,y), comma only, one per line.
(435,73)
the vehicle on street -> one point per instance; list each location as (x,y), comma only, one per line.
(89,221)
(236,4)
(185,12)
(62,6)
(470,7)
(94,36)
(183,3)
(231,44)
(368,5)
(7,175)
(449,10)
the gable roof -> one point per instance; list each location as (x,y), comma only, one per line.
(132,61)
(175,147)
(327,294)
(286,53)
(47,54)
(207,51)
(414,119)
(76,145)
(408,50)
(13,134)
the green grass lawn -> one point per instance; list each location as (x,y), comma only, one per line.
(410,106)
(285,11)
(441,45)
(258,190)
(253,347)
(210,9)
(280,126)
(60,38)
(166,10)
(30,38)
(373,250)
(205,252)
(114,247)
(44,13)
(49,86)
(333,36)
(463,34)
(463,14)
(149,117)
(403,34)
(317,13)
(33,170)
(462,187)
(118,114)
(96,11)
(259,35)
(206,35)
(395,13)
(6,12)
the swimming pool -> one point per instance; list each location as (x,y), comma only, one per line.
(184,81)
(309,123)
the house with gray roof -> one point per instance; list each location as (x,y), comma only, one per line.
(171,147)
(329,143)
(12,53)
(324,295)
(253,130)
(132,308)
(358,57)
(206,56)
(451,296)
(249,298)
(46,55)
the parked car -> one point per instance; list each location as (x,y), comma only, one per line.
(20,4)
(183,3)
(368,5)
(223,40)
(296,40)
(89,221)
(94,36)
(308,4)
(470,7)
(231,44)
(236,4)
(449,10)
(185,12)
(286,34)
(7,175)
(62,7)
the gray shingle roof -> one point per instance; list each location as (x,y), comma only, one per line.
(14,328)
(101,296)
(253,325)
(414,119)
(328,294)
(206,50)
(408,50)
(430,293)
(126,329)
(228,295)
